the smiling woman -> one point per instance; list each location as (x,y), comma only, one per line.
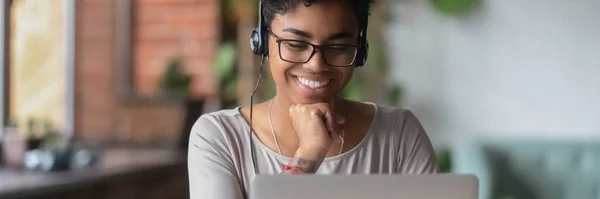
(313,48)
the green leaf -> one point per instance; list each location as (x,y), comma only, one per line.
(31,127)
(48,127)
(174,80)
(444,161)
(394,95)
(55,142)
(12,122)
(230,90)
(225,62)
(353,90)
(454,7)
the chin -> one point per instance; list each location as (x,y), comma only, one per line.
(308,100)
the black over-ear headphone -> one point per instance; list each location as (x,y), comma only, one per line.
(259,45)
(257,38)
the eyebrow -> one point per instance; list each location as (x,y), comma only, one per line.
(339,35)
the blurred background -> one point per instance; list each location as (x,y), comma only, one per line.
(99,95)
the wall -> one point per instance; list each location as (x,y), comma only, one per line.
(511,68)
(95,96)
(161,29)
(171,28)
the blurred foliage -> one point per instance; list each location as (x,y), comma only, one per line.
(55,142)
(394,95)
(235,9)
(174,82)
(226,72)
(444,161)
(48,127)
(454,7)
(12,122)
(31,123)
(353,90)
(371,82)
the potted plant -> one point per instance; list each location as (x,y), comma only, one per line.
(17,143)
(174,82)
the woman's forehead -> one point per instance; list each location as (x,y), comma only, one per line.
(322,18)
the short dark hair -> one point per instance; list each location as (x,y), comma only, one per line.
(272,7)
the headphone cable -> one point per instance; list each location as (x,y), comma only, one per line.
(251,105)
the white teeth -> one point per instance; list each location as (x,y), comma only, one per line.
(313,84)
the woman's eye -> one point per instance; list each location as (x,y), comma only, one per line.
(339,48)
(296,45)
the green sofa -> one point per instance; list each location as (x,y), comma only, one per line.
(531,169)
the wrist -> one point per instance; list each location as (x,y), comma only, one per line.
(311,153)
(307,160)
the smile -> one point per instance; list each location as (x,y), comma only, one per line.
(312,83)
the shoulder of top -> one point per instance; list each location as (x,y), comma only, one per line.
(216,122)
(397,118)
(223,113)
(392,111)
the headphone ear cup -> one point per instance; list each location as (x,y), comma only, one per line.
(256,42)
(366,52)
(363,51)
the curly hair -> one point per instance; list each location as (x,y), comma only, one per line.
(272,7)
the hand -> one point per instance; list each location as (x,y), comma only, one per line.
(317,126)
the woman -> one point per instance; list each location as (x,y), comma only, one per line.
(312,49)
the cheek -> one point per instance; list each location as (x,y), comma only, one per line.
(346,76)
(278,69)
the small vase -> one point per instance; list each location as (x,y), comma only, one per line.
(15,146)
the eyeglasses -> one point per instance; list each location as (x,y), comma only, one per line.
(296,51)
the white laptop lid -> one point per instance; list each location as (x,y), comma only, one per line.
(447,186)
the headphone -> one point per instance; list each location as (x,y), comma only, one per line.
(259,38)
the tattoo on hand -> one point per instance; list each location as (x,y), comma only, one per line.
(307,166)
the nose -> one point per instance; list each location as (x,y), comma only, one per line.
(317,63)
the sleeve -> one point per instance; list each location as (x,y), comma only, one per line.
(417,155)
(211,171)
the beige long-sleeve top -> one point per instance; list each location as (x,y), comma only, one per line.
(220,163)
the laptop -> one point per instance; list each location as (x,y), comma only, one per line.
(446,186)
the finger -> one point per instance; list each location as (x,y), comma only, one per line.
(328,115)
(335,136)
(339,125)
(331,118)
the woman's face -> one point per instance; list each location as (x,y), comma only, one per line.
(330,23)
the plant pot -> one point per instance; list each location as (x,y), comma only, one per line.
(15,146)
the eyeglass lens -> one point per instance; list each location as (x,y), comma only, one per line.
(302,52)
